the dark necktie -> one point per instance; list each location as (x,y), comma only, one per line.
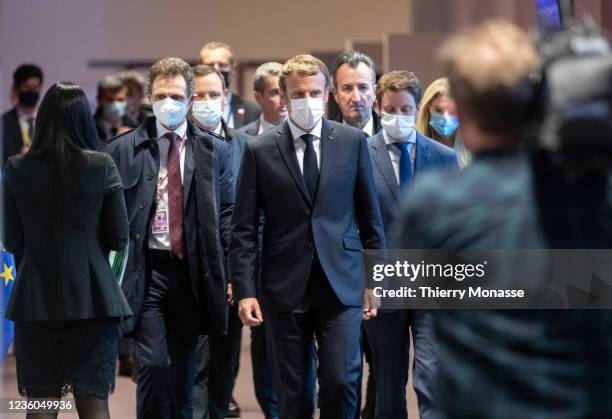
(310,168)
(405,165)
(175,196)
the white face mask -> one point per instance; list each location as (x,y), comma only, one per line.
(398,127)
(170,112)
(305,113)
(207,113)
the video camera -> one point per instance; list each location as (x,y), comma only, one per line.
(570,117)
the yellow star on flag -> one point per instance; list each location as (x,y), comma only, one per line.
(7,274)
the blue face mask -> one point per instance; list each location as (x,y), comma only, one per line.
(115,110)
(444,125)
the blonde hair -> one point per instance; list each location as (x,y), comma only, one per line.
(437,88)
(304,65)
(486,66)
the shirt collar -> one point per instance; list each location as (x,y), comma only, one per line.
(181,130)
(297,132)
(265,125)
(219,130)
(25,116)
(368,127)
(389,140)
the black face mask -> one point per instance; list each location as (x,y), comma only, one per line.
(226,77)
(29,98)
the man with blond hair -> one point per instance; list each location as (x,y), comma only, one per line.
(312,180)
(239,112)
(510,363)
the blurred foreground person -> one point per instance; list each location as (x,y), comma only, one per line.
(510,363)
(64,210)
(438,119)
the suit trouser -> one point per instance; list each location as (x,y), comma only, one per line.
(165,337)
(262,374)
(389,337)
(216,368)
(289,337)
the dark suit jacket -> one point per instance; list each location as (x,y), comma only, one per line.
(515,363)
(99,120)
(251,129)
(64,238)
(208,201)
(376,127)
(235,139)
(12,140)
(429,155)
(243,111)
(295,227)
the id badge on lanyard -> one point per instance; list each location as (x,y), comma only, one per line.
(161,219)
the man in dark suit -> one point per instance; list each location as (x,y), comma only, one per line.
(313,181)
(273,112)
(399,154)
(267,94)
(239,111)
(17,126)
(111,116)
(217,356)
(179,196)
(506,364)
(354,76)
(138,108)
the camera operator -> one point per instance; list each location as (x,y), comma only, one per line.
(511,363)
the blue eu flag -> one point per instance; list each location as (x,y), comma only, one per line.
(8,272)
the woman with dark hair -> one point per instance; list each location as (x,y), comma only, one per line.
(64,210)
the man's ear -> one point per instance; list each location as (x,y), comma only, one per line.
(257,96)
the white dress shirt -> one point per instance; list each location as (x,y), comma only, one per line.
(264,125)
(300,145)
(228,112)
(368,127)
(160,240)
(219,130)
(396,154)
(24,124)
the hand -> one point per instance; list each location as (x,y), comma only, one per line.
(249,312)
(371,304)
(229,294)
(24,150)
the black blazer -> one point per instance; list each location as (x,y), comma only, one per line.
(251,129)
(12,140)
(64,273)
(295,227)
(243,111)
(208,192)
